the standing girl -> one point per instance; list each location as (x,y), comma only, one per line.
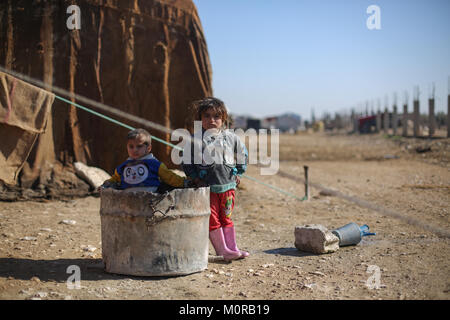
(220,171)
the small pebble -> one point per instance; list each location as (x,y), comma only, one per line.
(89,248)
(40,294)
(29,238)
(310,286)
(26,291)
(68,222)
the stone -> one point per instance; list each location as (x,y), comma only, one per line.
(26,291)
(310,286)
(92,175)
(27,238)
(40,294)
(315,238)
(69,222)
(89,248)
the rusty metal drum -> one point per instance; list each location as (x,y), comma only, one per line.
(151,234)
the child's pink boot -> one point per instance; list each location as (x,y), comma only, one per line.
(218,241)
(230,240)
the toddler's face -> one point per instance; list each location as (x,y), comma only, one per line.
(137,148)
(211,120)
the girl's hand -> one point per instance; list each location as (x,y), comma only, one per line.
(238,180)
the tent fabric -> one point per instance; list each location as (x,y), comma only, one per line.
(148,58)
(24,110)
(23,105)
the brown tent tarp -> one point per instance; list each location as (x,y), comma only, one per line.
(24,110)
(148,58)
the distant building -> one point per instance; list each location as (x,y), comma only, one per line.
(288,122)
(285,122)
(239,122)
(270,123)
(253,124)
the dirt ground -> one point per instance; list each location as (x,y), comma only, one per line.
(399,187)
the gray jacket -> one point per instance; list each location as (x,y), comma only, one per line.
(218,161)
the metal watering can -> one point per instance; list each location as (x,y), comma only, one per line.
(351,234)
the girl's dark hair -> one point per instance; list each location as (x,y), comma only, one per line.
(207,103)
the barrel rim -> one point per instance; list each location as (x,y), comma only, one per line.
(161,206)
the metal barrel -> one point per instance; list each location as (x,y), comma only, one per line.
(350,234)
(150,234)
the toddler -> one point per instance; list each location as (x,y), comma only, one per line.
(142,171)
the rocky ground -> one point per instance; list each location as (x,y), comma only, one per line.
(399,187)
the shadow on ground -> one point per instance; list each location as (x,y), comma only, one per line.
(292,252)
(57,270)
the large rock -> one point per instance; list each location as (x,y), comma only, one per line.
(315,238)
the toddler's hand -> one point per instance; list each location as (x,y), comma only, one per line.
(107,184)
(188,183)
(199,183)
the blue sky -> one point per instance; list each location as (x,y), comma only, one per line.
(269,57)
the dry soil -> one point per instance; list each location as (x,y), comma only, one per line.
(399,187)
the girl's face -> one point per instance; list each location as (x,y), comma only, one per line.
(137,148)
(211,119)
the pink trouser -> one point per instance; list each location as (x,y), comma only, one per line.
(222,205)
